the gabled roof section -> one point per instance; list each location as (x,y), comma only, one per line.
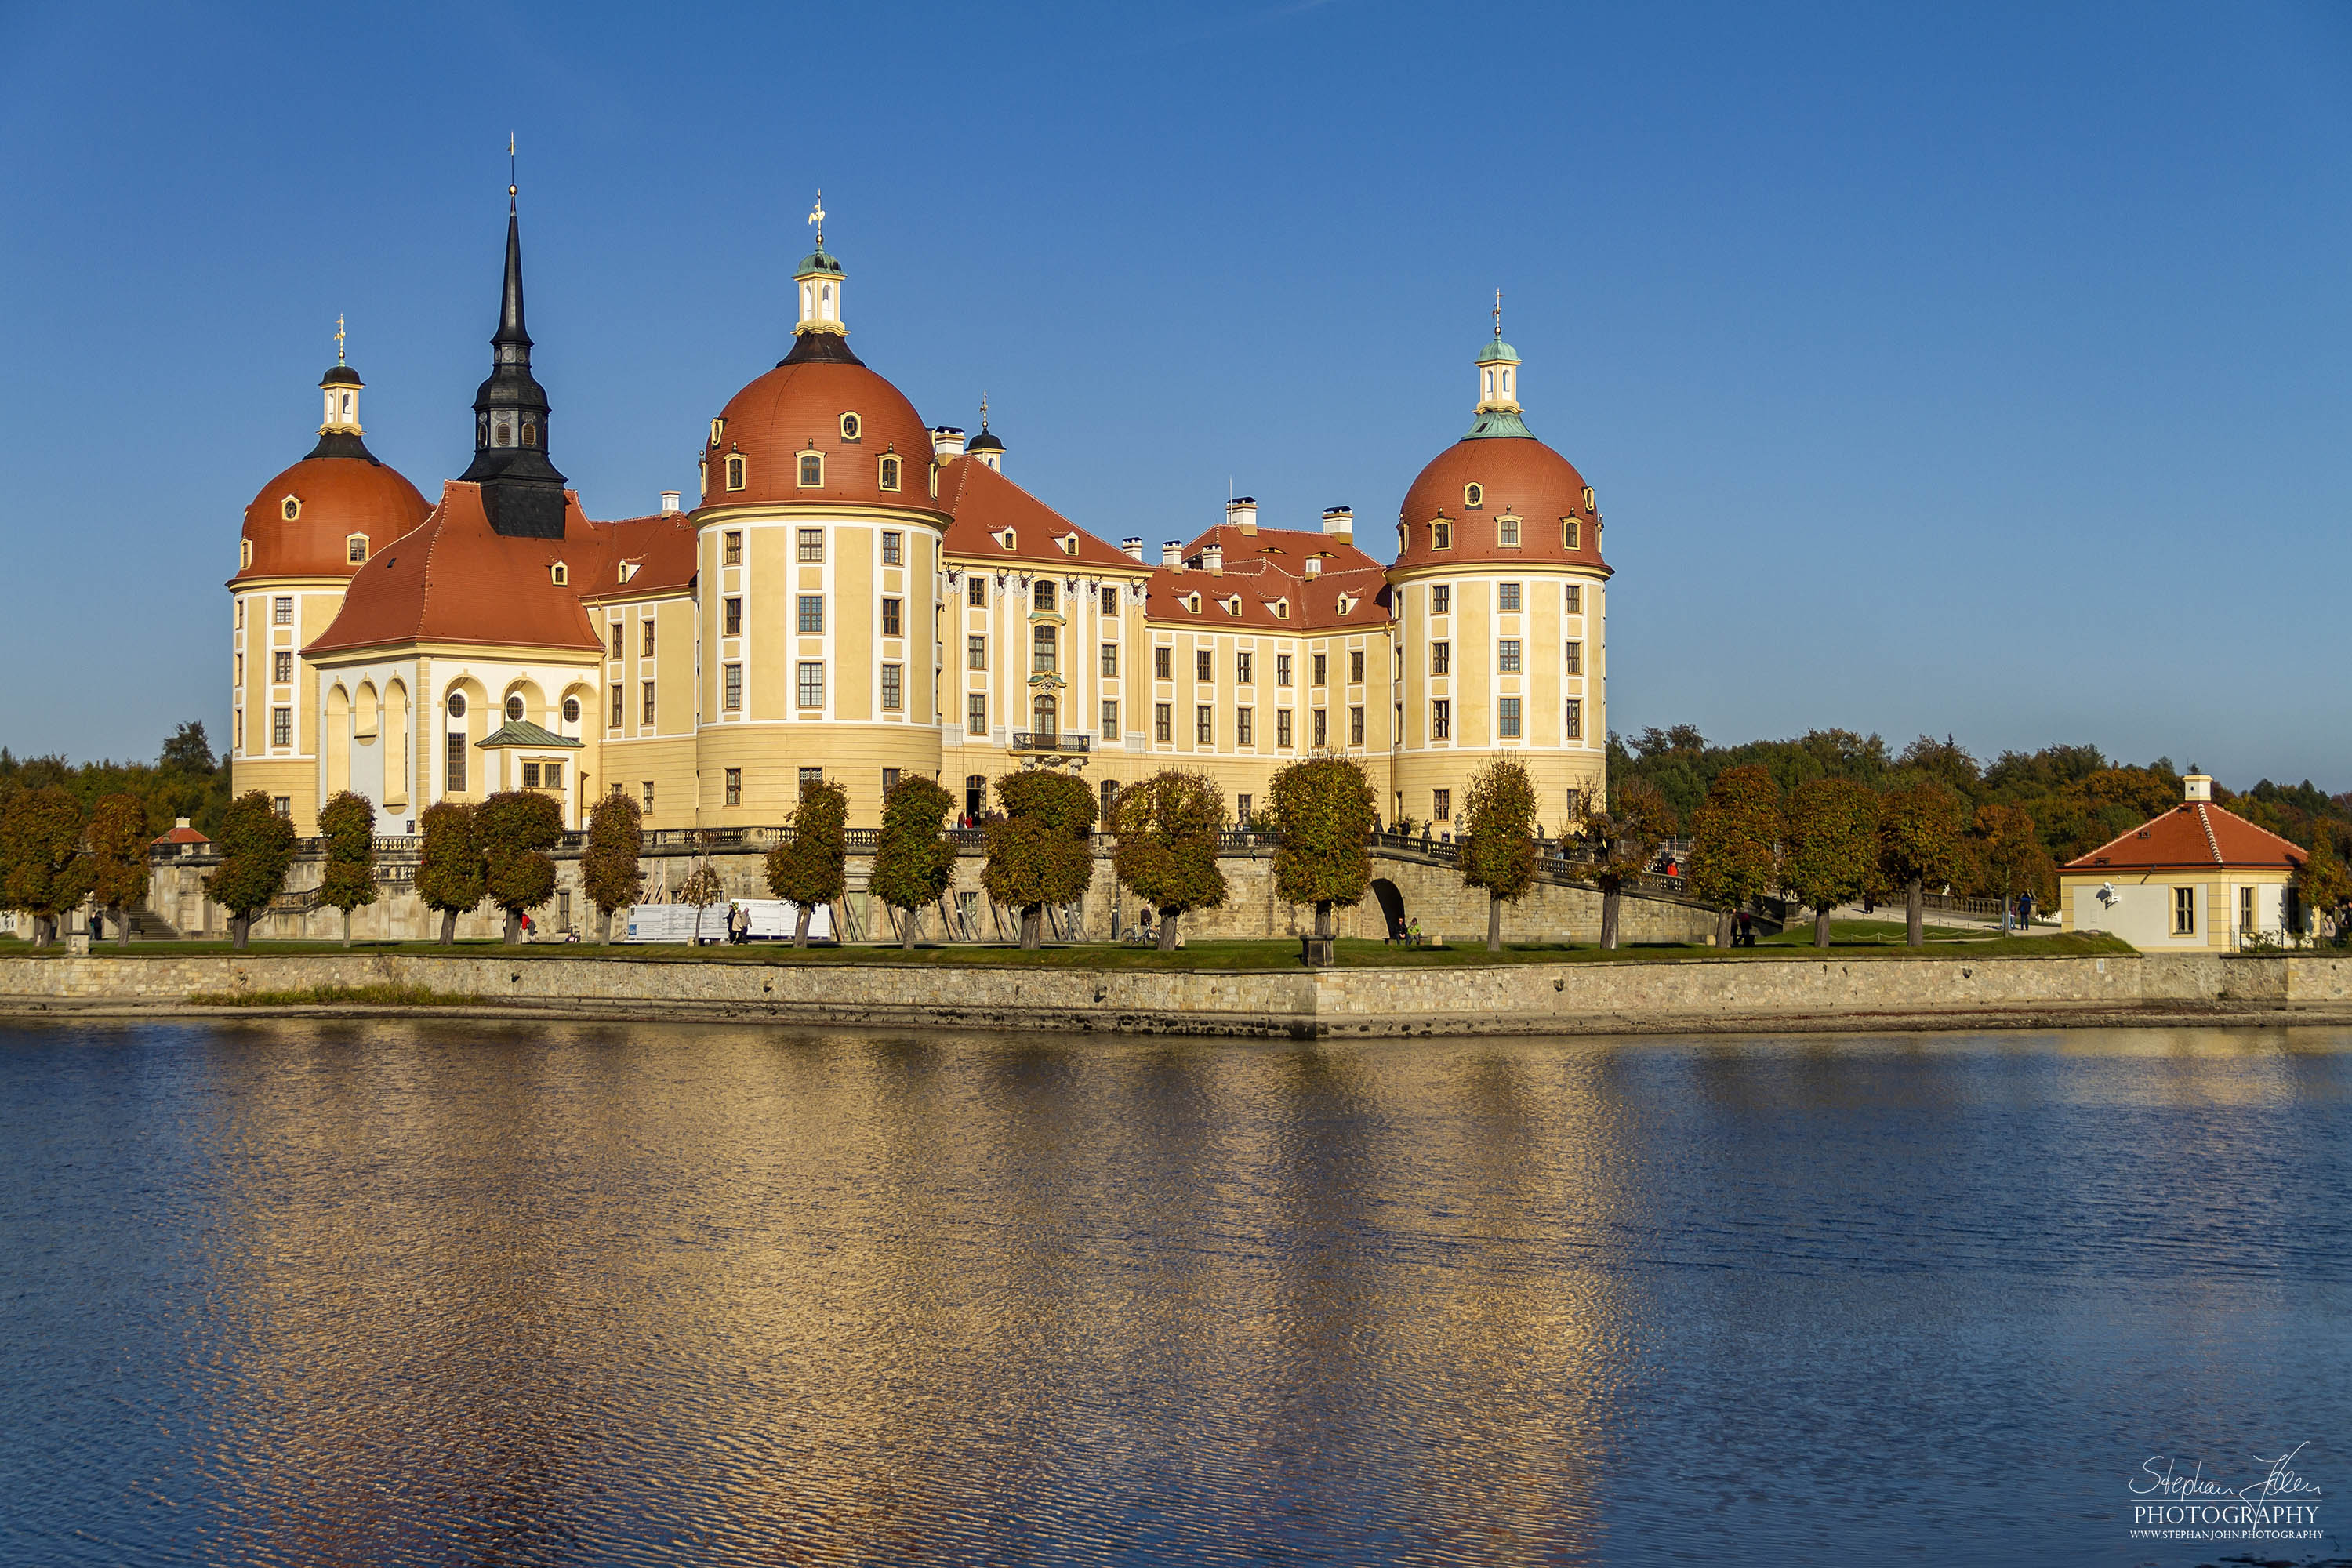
(2193,836)
(523,732)
(984,503)
(663,550)
(1267,567)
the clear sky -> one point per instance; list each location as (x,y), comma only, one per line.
(1974,370)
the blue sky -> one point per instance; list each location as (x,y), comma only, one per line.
(1978,371)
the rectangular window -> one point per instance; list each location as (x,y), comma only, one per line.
(2245,909)
(891,625)
(1042,649)
(894,695)
(1356,666)
(1163,722)
(1282,726)
(648,720)
(1440,536)
(240,614)
(894,547)
(1440,658)
(1041,594)
(889,781)
(975,653)
(1507,719)
(1506,598)
(1507,532)
(1575,658)
(531,775)
(811,615)
(1110,601)
(1441,720)
(1441,599)
(1440,805)
(1242,810)
(812,544)
(1244,668)
(811,775)
(975,714)
(1109,721)
(734,617)
(811,470)
(1322,736)
(619,707)
(1204,726)
(1507,657)
(1575,605)
(734,786)
(1204,665)
(1571,533)
(281,726)
(282,612)
(1355,726)
(1322,669)
(452,778)
(2184,912)
(241,669)
(1110,659)
(1282,669)
(732,554)
(646,794)
(811,684)
(282,804)
(281,668)
(734,698)
(1573,727)
(1244,726)
(616,630)
(975,589)
(648,651)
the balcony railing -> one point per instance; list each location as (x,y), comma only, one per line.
(1069,742)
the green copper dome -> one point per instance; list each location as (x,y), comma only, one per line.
(817,261)
(1498,353)
(1492,423)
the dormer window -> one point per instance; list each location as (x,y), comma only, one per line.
(1282,609)
(244,559)
(1069,544)
(1588,498)
(559,575)
(1007,539)
(1507,532)
(735,472)
(1571,533)
(1346,604)
(850,425)
(717,428)
(355,549)
(1475,495)
(292,507)
(1192,603)
(1402,539)
(811,470)
(1234,605)
(1440,536)
(889,473)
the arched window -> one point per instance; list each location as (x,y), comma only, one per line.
(811,470)
(1490,383)
(530,433)
(734,473)
(347,407)
(514,707)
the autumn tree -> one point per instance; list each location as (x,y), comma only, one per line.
(449,868)
(1624,839)
(257,846)
(2007,850)
(1038,851)
(1735,837)
(1497,839)
(1167,828)
(914,861)
(811,866)
(42,869)
(1829,846)
(609,872)
(1323,809)
(348,825)
(702,891)
(1919,843)
(117,840)
(515,829)
(2324,883)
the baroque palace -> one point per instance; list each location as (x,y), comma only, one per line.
(858,595)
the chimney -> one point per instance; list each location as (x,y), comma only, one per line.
(1242,512)
(1133,547)
(2198,786)
(1340,521)
(1214,558)
(670,500)
(947,441)
(1173,554)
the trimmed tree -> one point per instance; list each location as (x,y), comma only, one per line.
(348,825)
(702,890)
(914,862)
(1038,852)
(1166,830)
(2010,853)
(1497,839)
(118,836)
(1919,842)
(1733,840)
(42,870)
(1624,841)
(257,846)
(1829,846)
(811,867)
(2323,880)
(608,867)
(515,829)
(449,871)
(1323,809)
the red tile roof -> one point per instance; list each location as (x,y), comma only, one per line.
(1518,476)
(337,497)
(2193,836)
(1267,566)
(663,548)
(182,833)
(984,503)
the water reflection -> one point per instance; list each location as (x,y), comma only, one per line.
(434,1292)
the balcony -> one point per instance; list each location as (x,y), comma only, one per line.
(1066,743)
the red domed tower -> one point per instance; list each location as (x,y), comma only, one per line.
(1499,592)
(307,531)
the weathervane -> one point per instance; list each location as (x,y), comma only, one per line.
(983,411)
(338,340)
(816,216)
(1499,315)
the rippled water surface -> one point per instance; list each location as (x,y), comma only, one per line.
(449,1292)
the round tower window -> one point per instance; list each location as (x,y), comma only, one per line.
(514,707)
(293,508)
(849,427)
(456,705)
(572,710)
(1473,495)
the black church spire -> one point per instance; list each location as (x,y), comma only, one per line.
(522,491)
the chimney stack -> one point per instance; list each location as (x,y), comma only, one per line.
(1340,521)
(2198,786)
(1173,554)
(1214,558)
(1242,512)
(670,500)
(1133,547)
(947,441)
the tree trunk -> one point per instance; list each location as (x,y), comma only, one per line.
(1609,915)
(121,926)
(801,913)
(347,928)
(40,931)
(448,928)
(1032,927)
(1323,918)
(1820,925)
(908,921)
(514,926)
(1915,913)
(240,927)
(1168,931)
(1493,924)
(1723,928)
(606,939)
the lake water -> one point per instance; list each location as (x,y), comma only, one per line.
(453,1292)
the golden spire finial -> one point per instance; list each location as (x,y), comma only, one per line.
(816,216)
(1499,315)
(510,169)
(983,412)
(338,340)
